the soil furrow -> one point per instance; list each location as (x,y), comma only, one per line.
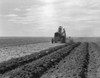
(72,66)
(14,63)
(37,68)
(85,64)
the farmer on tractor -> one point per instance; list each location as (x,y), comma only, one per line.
(60,29)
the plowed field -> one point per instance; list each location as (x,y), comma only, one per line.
(75,60)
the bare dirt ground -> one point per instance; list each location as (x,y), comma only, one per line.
(7,53)
(75,60)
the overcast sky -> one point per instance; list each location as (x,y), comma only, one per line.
(42,17)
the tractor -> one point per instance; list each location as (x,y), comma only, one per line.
(59,36)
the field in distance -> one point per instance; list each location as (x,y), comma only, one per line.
(86,39)
(12,47)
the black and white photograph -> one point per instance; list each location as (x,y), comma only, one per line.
(49,38)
